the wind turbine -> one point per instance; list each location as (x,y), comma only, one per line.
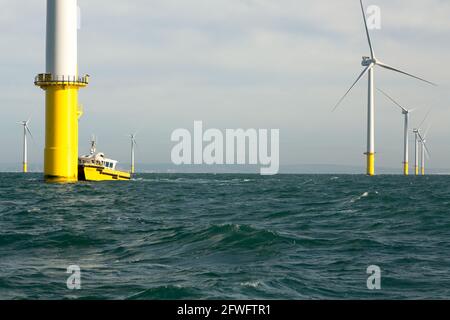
(425,151)
(26,131)
(406,113)
(419,147)
(416,152)
(369,63)
(133,145)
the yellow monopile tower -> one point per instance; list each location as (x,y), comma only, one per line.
(61,84)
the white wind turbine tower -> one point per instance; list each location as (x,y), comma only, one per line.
(26,131)
(133,145)
(369,63)
(406,113)
(416,152)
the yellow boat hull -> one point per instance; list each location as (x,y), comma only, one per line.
(99,173)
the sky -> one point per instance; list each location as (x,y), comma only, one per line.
(159,65)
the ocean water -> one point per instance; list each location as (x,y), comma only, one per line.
(168,236)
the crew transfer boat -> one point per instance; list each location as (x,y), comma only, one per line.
(96,167)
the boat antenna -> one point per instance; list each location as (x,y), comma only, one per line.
(93,145)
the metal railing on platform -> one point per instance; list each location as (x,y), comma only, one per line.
(50,78)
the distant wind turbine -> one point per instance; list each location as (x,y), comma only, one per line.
(425,151)
(26,131)
(369,63)
(133,145)
(420,147)
(406,113)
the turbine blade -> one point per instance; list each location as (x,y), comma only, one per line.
(425,119)
(427,152)
(390,98)
(426,132)
(422,140)
(359,78)
(28,129)
(31,135)
(403,72)
(372,54)
(420,137)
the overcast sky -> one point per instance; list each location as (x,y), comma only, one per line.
(158,65)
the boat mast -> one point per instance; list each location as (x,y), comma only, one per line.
(93,145)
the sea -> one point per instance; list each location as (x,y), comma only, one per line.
(226,236)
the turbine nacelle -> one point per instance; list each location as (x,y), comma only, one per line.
(26,127)
(133,138)
(367,61)
(24,123)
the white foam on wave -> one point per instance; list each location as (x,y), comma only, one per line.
(364,195)
(251,284)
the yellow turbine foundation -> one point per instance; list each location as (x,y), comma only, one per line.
(61,127)
(423,171)
(370,164)
(25,168)
(406,168)
(61,134)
